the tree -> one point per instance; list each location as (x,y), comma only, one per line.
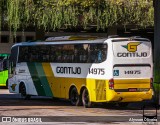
(55,14)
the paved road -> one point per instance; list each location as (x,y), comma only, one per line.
(51,111)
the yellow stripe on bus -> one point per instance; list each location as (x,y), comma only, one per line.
(49,75)
(59,85)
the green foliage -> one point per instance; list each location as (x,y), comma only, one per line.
(55,14)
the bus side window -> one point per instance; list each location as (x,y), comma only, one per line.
(97,53)
(104,52)
(57,54)
(101,52)
(52,56)
(92,54)
(80,53)
(13,60)
(99,56)
(76,54)
(71,56)
(23,54)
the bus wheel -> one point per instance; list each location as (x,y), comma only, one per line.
(85,99)
(74,97)
(22,90)
(6,84)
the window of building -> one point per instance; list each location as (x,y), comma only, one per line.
(17,39)
(4,39)
(29,38)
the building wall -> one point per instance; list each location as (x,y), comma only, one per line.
(7,39)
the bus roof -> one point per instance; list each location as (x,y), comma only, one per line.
(64,40)
(72,38)
(79,40)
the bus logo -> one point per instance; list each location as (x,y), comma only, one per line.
(132,46)
(116,73)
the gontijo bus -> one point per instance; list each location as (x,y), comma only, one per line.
(84,69)
(4,57)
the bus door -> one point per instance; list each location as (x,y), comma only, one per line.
(5,69)
(1,73)
(132,69)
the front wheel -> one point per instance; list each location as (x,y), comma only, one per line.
(85,99)
(6,84)
(22,90)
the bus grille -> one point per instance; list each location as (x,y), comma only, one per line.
(100,90)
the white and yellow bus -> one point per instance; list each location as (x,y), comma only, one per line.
(84,69)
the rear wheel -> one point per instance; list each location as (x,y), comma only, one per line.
(85,99)
(22,90)
(74,97)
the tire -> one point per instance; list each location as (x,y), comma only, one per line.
(6,84)
(85,99)
(22,90)
(74,97)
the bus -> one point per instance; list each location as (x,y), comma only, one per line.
(4,58)
(83,69)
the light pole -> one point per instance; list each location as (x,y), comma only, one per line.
(156,4)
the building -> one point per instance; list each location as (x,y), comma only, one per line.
(7,38)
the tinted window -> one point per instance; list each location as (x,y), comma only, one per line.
(4,39)
(13,56)
(17,39)
(78,53)
(13,60)
(28,38)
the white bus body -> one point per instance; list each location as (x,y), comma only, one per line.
(83,68)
